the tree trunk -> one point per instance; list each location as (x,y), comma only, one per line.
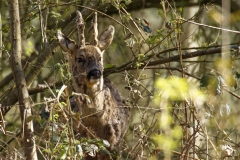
(20,81)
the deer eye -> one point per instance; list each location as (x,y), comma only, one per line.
(80,60)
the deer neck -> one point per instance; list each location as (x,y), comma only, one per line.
(95,92)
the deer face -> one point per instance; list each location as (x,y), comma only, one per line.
(87,66)
(86,60)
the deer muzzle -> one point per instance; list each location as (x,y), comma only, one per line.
(94,74)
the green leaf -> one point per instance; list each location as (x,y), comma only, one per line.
(237,75)
(212,83)
(63,153)
(106,143)
(180,9)
(55,14)
(28,35)
(141,56)
(103,150)
(160,12)
(207,79)
(91,150)
(5,28)
(79,149)
(25,29)
(55,138)
(57,66)
(63,103)
(47,151)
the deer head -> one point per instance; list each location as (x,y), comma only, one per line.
(86,60)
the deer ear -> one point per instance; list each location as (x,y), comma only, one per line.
(106,38)
(65,43)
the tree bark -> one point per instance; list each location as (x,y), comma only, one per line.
(20,81)
(0,42)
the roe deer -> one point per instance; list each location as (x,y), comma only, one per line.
(104,116)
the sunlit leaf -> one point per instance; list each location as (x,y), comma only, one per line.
(55,138)
(138,19)
(63,152)
(130,42)
(227,150)
(141,56)
(57,66)
(79,149)
(92,150)
(106,143)
(55,14)
(173,88)
(225,110)
(47,150)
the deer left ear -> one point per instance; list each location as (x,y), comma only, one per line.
(65,43)
(106,38)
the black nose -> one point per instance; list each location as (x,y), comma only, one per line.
(94,74)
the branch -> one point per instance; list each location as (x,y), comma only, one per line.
(20,81)
(213,27)
(174,68)
(232,93)
(42,88)
(191,55)
(130,65)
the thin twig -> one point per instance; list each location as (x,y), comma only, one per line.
(200,24)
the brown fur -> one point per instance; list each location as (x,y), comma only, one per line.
(103,112)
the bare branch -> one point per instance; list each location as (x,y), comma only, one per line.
(187,55)
(213,27)
(42,88)
(177,69)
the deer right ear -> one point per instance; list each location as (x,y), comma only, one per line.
(65,43)
(106,38)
